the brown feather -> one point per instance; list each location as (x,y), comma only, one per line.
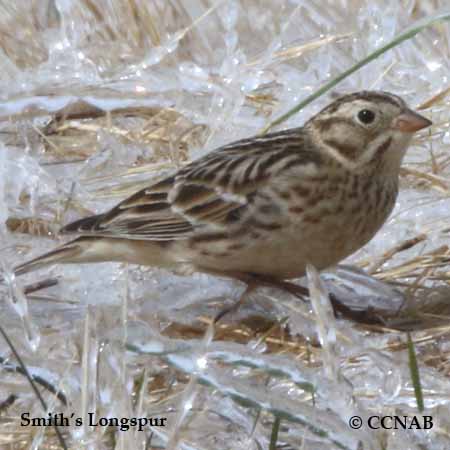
(212,192)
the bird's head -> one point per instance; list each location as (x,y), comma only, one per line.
(367,129)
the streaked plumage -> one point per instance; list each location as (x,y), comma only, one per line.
(265,205)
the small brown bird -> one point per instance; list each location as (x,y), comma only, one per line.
(264,206)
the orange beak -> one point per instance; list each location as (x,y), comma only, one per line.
(409,122)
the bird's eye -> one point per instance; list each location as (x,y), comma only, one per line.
(366,116)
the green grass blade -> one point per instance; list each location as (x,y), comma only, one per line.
(414,370)
(405,35)
(274,434)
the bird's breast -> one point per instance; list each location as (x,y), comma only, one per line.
(310,221)
(340,216)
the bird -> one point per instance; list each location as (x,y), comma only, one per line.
(265,206)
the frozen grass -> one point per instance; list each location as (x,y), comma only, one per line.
(98,99)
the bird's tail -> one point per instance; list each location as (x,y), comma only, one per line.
(93,249)
(69,252)
(74,251)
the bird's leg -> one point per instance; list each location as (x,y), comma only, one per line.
(367,316)
(253,281)
(296,290)
(340,309)
(236,305)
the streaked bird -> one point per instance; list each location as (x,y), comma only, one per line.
(264,206)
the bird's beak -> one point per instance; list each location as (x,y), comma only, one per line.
(409,122)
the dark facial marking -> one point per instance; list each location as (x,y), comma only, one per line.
(383,147)
(342,148)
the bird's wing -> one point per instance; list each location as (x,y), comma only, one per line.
(211,193)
